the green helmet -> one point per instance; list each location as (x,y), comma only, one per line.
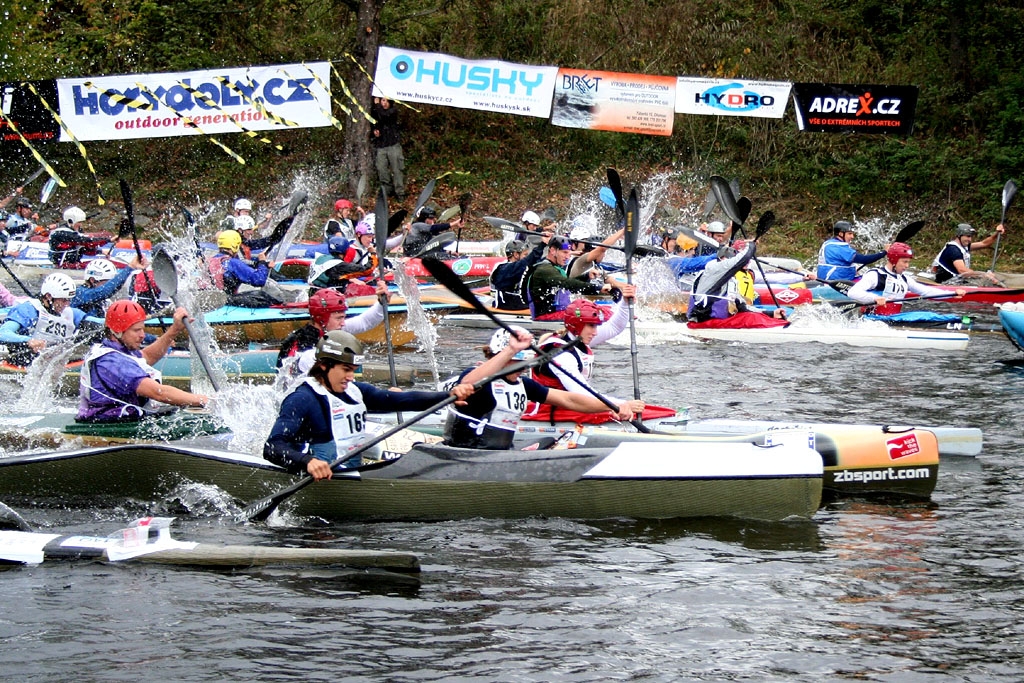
(340,346)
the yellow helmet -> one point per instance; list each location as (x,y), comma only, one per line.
(229,239)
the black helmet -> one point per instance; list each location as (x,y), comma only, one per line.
(427,212)
(842,226)
(965,229)
(516,247)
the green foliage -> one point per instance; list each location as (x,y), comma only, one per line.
(966,60)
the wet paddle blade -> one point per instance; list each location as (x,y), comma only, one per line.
(607,196)
(710,202)
(908,231)
(297,200)
(396,220)
(1009,192)
(437,242)
(47,191)
(615,183)
(164,272)
(504,224)
(764,224)
(424,197)
(723,194)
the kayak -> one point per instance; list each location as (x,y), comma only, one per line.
(239,326)
(875,335)
(149,540)
(1012,320)
(434,482)
(463,266)
(857,459)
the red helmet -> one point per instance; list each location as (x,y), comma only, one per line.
(583,312)
(124,313)
(323,302)
(342,204)
(898,250)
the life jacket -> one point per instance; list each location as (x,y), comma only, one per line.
(561,298)
(710,305)
(946,271)
(92,402)
(583,357)
(745,285)
(53,329)
(216,266)
(496,429)
(347,420)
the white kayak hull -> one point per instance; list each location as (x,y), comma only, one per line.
(879,336)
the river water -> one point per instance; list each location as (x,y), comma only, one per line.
(865,590)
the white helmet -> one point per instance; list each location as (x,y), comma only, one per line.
(584,227)
(73,215)
(530,217)
(100,269)
(500,339)
(243,204)
(245,223)
(58,286)
(716,227)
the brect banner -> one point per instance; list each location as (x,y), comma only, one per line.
(24,108)
(604,100)
(829,107)
(486,85)
(196,102)
(730,97)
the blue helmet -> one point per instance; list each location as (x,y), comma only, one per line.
(338,245)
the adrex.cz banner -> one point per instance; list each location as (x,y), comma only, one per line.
(26,110)
(731,97)
(830,107)
(604,100)
(487,85)
(196,102)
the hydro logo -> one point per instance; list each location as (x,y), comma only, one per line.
(857,106)
(732,97)
(461,75)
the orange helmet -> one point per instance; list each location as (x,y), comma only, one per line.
(323,302)
(124,313)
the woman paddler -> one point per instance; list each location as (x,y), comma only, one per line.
(118,381)
(325,415)
(489,418)
(592,325)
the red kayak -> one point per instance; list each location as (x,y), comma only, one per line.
(982,295)
(784,296)
(543,413)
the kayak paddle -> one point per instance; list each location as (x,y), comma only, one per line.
(380,225)
(1009,192)
(632,230)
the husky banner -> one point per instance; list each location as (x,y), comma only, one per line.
(486,85)
(838,108)
(24,108)
(196,102)
(730,97)
(603,100)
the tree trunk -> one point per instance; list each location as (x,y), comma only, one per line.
(356,158)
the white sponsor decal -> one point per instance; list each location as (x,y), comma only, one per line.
(487,85)
(886,474)
(731,97)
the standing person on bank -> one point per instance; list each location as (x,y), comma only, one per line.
(387,144)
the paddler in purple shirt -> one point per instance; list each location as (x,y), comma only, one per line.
(118,382)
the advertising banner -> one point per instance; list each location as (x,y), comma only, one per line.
(604,100)
(839,108)
(731,97)
(24,108)
(196,102)
(486,85)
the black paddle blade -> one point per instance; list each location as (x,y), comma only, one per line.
(424,198)
(446,277)
(908,231)
(649,251)
(632,224)
(615,183)
(710,202)
(396,220)
(380,220)
(504,224)
(464,200)
(437,242)
(296,201)
(723,193)
(764,224)
(129,205)
(734,185)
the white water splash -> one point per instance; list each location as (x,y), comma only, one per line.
(417,319)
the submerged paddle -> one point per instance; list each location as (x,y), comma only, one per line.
(444,275)
(1009,192)
(9,515)
(380,225)
(166,275)
(632,230)
(264,507)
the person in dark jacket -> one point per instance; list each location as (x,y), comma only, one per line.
(508,279)
(325,416)
(387,144)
